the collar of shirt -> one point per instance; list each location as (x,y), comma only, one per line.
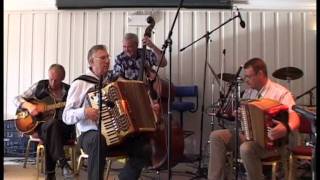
(137,57)
(90,73)
(264,89)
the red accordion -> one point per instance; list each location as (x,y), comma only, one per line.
(256,119)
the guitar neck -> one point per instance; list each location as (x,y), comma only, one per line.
(55,106)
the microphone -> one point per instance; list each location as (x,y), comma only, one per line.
(109,103)
(242,23)
(305,113)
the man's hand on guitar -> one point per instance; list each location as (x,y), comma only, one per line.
(278,131)
(32,109)
(91,113)
(156,108)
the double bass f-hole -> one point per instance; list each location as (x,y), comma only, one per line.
(147,33)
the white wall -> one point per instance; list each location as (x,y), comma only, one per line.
(35,39)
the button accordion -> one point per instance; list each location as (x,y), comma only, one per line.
(131,112)
(256,120)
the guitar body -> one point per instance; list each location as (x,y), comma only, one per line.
(26,123)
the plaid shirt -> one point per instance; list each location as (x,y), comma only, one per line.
(128,67)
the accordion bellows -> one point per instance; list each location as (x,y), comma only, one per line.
(131,114)
(256,119)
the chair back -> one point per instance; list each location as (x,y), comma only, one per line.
(187,91)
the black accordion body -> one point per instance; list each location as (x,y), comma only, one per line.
(256,119)
(131,112)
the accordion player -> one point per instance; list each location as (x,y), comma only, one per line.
(257,118)
(126,110)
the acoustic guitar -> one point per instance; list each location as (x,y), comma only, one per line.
(26,123)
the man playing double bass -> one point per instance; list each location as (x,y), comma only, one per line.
(129,62)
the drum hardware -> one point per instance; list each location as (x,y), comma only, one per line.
(288,73)
(227,77)
(310,95)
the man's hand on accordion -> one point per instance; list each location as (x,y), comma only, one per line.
(278,131)
(91,113)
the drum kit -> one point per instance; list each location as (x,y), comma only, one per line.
(224,108)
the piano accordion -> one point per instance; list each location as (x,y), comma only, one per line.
(130,112)
(256,119)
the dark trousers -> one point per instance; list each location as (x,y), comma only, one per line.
(55,134)
(136,148)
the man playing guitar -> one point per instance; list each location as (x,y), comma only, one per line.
(47,122)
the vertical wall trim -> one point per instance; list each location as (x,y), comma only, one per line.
(249,30)
(111,47)
(304,45)
(277,54)
(290,38)
(32,44)
(194,25)
(58,22)
(98,26)
(125,22)
(84,40)
(263,34)
(44,44)
(70,46)
(20,44)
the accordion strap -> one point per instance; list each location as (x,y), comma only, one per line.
(87,78)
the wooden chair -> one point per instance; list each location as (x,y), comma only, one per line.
(40,157)
(32,139)
(109,160)
(272,161)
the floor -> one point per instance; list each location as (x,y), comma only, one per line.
(14,165)
(13,170)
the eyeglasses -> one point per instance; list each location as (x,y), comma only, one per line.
(103,58)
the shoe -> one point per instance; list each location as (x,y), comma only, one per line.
(67,172)
(51,176)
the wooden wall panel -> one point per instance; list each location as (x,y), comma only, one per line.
(33,40)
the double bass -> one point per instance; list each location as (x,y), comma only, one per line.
(158,90)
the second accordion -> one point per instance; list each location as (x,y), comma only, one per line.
(126,110)
(257,119)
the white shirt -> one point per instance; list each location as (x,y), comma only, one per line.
(77,102)
(273,91)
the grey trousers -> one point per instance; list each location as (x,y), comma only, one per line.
(222,141)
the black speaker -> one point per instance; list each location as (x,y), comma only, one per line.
(96,4)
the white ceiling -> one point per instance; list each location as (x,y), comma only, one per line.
(252,4)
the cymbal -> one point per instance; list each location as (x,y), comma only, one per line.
(227,77)
(288,73)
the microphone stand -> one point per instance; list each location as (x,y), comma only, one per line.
(99,123)
(168,42)
(200,170)
(310,95)
(237,104)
